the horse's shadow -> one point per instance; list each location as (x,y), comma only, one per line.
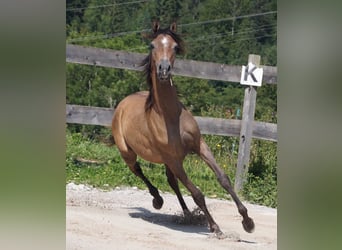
(174,222)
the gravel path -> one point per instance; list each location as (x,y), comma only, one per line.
(124,218)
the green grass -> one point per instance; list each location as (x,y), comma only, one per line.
(109,170)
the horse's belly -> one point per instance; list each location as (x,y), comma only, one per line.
(156,151)
(148,154)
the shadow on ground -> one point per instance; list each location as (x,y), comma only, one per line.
(197,223)
(175,222)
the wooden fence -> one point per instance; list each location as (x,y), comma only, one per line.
(129,60)
(246,128)
(214,126)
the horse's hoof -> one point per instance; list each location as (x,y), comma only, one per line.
(187,213)
(248,225)
(157,202)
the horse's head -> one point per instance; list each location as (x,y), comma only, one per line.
(164,47)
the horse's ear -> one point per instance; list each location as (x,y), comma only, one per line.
(173,27)
(155,26)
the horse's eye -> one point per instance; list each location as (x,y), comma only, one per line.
(151,46)
(176,48)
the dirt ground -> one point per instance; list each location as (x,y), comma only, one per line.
(124,218)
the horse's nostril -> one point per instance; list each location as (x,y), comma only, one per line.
(164,66)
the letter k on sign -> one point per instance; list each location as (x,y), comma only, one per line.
(251,75)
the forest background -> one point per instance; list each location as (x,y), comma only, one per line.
(215,31)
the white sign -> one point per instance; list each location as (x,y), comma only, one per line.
(251,75)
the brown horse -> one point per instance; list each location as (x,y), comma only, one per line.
(156,126)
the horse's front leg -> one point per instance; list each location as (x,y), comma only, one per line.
(173,182)
(224,180)
(130,159)
(157,201)
(198,197)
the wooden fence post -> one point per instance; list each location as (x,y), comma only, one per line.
(246,130)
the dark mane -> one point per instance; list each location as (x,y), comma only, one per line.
(146,63)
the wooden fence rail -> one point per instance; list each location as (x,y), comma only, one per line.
(215,126)
(129,60)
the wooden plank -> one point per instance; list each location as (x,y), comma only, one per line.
(89,115)
(215,126)
(207,70)
(104,57)
(246,131)
(218,126)
(189,68)
(270,74)
(265,131)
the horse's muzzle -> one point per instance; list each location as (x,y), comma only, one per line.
(164,70)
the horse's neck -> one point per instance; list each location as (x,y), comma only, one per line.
(167,113)
(166,100)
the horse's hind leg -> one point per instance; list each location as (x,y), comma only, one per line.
(172,180)
(130,159)
(208,157)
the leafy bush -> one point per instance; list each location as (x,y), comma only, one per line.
(261,186)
